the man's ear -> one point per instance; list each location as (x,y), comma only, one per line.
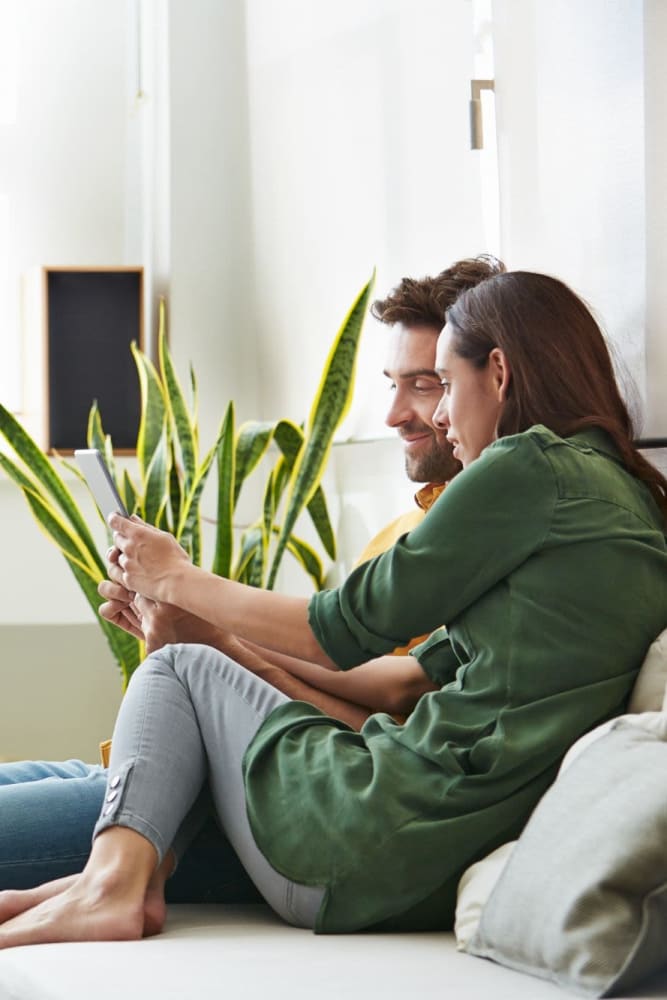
(500,372)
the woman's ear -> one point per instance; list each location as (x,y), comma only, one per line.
(500,373)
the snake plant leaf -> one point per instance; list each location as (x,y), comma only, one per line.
(125,649)
(254,574)
(330,405)
(95,432)
(57,530)
(153,419)
(156,495)
(253,439)
(190,512)
(96,438)
(45,475)
(87,568)
(306,555)
(226,459)
(290,437)
(175,490)
(128,493)
(251,540)
(181,423)
(281,473)
(319,514)
(18,475)
(194,395)
(267,506)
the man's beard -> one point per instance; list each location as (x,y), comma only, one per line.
(438,465)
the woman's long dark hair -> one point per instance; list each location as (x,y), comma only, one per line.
(562,374)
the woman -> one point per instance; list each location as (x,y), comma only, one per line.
(545,558)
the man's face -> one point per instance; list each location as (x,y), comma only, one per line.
(416,393)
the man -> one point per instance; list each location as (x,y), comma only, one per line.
(48,810)
(415,312)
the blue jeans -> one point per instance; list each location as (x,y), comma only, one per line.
(47,815)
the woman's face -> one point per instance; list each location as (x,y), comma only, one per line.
(472,398)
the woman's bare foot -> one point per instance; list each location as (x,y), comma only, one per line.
(15,901)
(155,907)
(105,903)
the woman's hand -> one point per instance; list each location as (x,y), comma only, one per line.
(145,560)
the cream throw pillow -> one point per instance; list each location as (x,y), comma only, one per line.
(649,695)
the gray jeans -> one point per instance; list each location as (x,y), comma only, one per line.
(187,718)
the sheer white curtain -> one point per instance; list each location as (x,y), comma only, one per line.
(571,138)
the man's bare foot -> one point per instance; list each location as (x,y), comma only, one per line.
(15,901)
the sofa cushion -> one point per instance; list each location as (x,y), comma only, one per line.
(649,692)
(583,898)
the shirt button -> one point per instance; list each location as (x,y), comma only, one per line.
(115,781)
(108,810)
(111,796)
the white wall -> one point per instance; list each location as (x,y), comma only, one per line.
(360,157)
(570,112)
(655,41)
(212,313)
(62,159)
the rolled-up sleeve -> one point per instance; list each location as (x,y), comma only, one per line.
(488,521)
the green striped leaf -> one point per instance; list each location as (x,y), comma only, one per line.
(153,419)
(156,495)
(48,480)
(175,489)
(253,439)
(181,424)
(226,457)
(328,410)
(55,528)
(190,512)
(95,431)
(128,493)
(306,555)
(251,540)
(319,514)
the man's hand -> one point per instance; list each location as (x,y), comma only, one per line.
(144,560)
(119,607)
(155,622)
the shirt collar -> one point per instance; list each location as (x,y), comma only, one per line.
(597,439)
(427,495)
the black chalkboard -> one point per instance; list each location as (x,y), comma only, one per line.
(92,317)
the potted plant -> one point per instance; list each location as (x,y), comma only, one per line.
(172,472)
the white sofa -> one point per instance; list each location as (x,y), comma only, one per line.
(245,953)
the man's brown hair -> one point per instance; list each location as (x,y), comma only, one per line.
(424,301)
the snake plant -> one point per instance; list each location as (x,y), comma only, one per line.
(172,472)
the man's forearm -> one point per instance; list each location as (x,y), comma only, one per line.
(391,684)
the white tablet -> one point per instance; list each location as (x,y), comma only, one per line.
(92,464)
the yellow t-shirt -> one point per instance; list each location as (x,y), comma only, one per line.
(424,498)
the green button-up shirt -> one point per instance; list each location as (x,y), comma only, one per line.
(547,562)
